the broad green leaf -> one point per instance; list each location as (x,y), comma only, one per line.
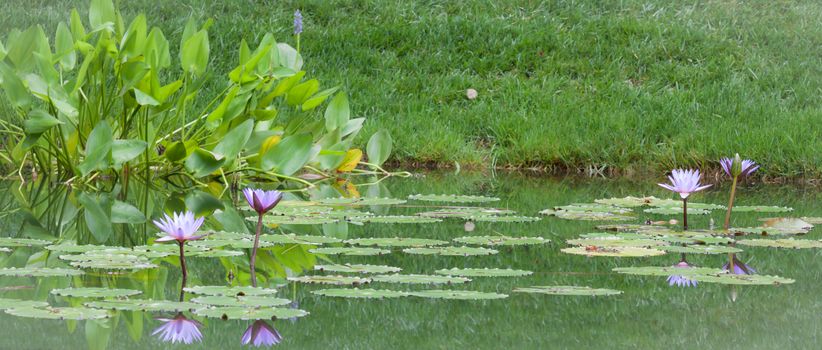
(215,118)
(352,127)
(64,46)
(282,88)
(202,203)
(156,51)
(350,161)
(289,155)
(242,73)
(145,99)
(39,121)
(22,48)
(176,151)
(96,213)
(13,87)
(134,39)
(124,213)
(318,98)
(338,112)
(233,141)
(379,147)
(98,149)
(194,54)
(78,31)
(289,57)
(332,158)
(301,92)
(101,12)
(125,150)
(202,162)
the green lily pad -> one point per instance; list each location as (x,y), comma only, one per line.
(617,236)
(695,239)
(595,207)
(452,198)
(6,303)
(360,293)
(241,301)
(39,272)
(465,212)
(768,231)
(241,313)
(677,204)
(21,242)
(362,251)
(394,219)
(104,264)
(666,271)
(419,279)
(270,220)
(295,239)
(628,202)
(221,253)
(234,243)
(357,268)
(782,243)
(92,292)
(506,218)
(143,305)
(230,291)
(73,248)
(812,220)
(614,251)
(760,209)
(451,251)
(500,240)
(5,250)
(457,294)
(483,272)
(751,280)
(568,290)
(702,249)
(587,215)
(99,256)
(172,249)
(361,201)
(676,211)
(60,313)
(396,242)
(335,280)
(640,228)
(618,242)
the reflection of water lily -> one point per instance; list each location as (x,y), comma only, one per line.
(262,201)
(179,227)
(294,305)
(740,268)
(260,333)
(679,280)
(746,167)
(684,182)
(179,330)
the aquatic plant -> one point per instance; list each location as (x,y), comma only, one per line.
(680,280)
(735,168)
(684,182)
(179,330)
(180,227)
(737,267)
(260,333)
(261,201)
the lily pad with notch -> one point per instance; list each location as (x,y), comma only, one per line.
(486,272)
(360,293)
(782,243)
(394,219)
(39,272)
(452,198)
(457,294)
(568,290)
(230,291)
(357,251)
(60,313)
(240,301)
(242,313)
(357,268)
(500,240)
(95,292)
(334,280)
(396,242)
(451,251)
(618,252)
(419,279)
(143,305)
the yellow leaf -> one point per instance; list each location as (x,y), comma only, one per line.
(215,188)
(352,158)
(271,141)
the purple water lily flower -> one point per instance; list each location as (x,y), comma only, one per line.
(179,227)
(747,168)
(740,268)
(179,330)
(685,182)
(260,333)
(262,201)
(298,22)
(679,280)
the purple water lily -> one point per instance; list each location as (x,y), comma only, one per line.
(260,333)
(262,201)
(298,22)
(746,168)
(179,330)
(685,182)
(740,268)
(679,280)
(180,227)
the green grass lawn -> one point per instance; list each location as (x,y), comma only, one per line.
(636,86)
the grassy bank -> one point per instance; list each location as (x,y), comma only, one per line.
(630,85)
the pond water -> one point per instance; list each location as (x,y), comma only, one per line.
(648,314)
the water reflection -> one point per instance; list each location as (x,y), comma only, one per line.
(260,333)
(680,280)
(179,329)
(740,268)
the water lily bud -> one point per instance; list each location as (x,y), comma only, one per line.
(736,168)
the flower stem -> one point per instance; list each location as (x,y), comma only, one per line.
(254,250)
(685,214)
(730,205)
(183,263)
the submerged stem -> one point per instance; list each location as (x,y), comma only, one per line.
(254,250)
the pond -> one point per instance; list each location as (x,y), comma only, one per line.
(634,311)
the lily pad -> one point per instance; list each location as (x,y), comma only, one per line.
(107,264)
(611,242)
(270,220)
(357,268)
(241,301)
(593,207)
(396,242)
(812,220)
(39,272)
(394,219)
(60,313)
(143,305)
(628,202)
(666,271)
(701,249)
(483,272)
(230,291)
(74,248)
(6,303)
(676,211)
(92,292)
(295,239)
(760,209)
(568,290)
(752,280)
(505,218)
(782,243)
(360,293)
(362,251)
(92,256)
(465,212)
(21,242)
(451,251)
(419,279)
(695,239)
(361,201)
(452,198)
(335,280)
(641,228)
(241,313)
(587,215)
(218,253)
(500,240)
(614,251)
(457,294)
